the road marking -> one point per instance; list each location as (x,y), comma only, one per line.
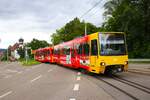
(78,78)
(20,72)
(13,71)
(36,78)
(5,94)
(79,73)
(76,87)
(50,70)
(8,76)
(72,99)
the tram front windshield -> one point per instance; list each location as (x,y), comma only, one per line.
(112,44)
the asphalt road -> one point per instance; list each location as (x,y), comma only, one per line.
(53,82)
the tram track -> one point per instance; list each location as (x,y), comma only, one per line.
(119,89)
(119,83)
(147,73)
(133,84)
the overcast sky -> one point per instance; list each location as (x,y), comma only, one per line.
(38,19)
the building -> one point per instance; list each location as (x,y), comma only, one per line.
(13,50)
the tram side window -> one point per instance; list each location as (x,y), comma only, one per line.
(64,51)
(48,52)
(86,49)
(80,49)
(55,51)
(58,52)
(52,51)
(68,51)
(73,52)
(94,48)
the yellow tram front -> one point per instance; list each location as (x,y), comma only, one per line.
(108,52)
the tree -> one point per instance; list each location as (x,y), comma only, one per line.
(36,44)
(71,30)
(132,17)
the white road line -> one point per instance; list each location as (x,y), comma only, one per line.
(49,70)
(72,99)
(20,72)
(8,76)
(5,94)
(13,71)
(36,78)
(78,78)
(79,73)
(76,87)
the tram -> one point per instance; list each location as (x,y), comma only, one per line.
(100,52)
(44,55)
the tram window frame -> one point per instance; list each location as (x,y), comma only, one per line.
(94,47)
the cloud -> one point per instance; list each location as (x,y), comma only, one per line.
(40,18)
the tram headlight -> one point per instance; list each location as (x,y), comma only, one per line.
(126,62)
(102,63)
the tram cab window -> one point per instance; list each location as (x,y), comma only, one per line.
(94,48)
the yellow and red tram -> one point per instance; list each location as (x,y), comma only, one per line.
(100,52)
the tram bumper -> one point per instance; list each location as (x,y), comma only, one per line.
(112,69)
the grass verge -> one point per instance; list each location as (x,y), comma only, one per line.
(29,62)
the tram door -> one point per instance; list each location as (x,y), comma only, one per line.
(94,53)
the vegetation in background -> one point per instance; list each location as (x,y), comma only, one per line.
(36,44)
(132,17)
(4,57)
(71,30)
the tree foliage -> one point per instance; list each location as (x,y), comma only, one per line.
(36,44)
(71,30)
(132,17)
